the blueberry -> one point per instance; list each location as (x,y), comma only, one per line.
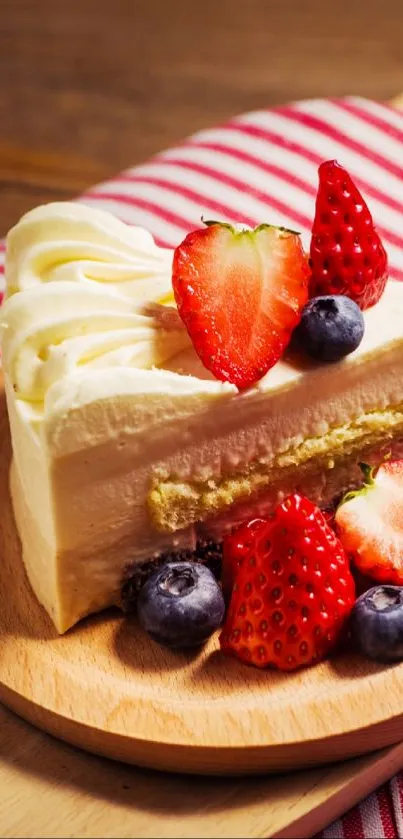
(181,604)
(376,623)
(331,327)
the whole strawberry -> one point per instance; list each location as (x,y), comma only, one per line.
(347,255)
(293,589)
(370,523)
(236,549)
(240,294)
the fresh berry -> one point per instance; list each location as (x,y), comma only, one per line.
(376,623)
(293,589)
(347,255)
(206,552)
(237,547)
(331,327)
(240,294)
(370,523)
(181,605)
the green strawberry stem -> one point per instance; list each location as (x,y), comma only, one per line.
(277,227)
(264,226)
(368,473)
(212,222)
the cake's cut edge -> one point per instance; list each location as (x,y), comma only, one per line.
(81,584)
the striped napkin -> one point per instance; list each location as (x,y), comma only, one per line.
(262,166)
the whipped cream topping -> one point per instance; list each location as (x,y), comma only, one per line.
(95,295)
(68,241)
(50,333)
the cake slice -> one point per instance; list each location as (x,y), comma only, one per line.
(125,447)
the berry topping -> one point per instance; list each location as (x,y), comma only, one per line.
(240,294)
(370,523)
(377,623)
(293,588)
(347,255)
(181,605)
(331,327)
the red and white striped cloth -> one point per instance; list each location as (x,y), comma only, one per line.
(262,166)
(380,816)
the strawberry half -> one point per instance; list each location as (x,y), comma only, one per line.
(370,523)
(293,588)
(240,294)
(347,255)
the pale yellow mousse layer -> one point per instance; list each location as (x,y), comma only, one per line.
(124,445)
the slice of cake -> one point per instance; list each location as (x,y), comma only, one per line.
(125,446)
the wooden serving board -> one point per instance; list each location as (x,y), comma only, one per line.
(107,688)
(49,789)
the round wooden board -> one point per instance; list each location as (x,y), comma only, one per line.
(107,688)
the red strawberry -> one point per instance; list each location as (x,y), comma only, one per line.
(347,255)
(236,547)
(240,294)
(370,523)
(293,590)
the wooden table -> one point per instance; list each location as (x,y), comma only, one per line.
(91,86)
(49,789)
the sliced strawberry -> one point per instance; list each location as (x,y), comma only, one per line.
(370,523)
(347,255)
(293,588)
(240,294)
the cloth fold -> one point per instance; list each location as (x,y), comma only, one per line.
(262,167)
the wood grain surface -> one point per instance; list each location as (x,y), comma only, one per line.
(49,789)
(90,86)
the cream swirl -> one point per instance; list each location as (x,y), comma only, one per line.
(84,291)
(68,241)
(50,332)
